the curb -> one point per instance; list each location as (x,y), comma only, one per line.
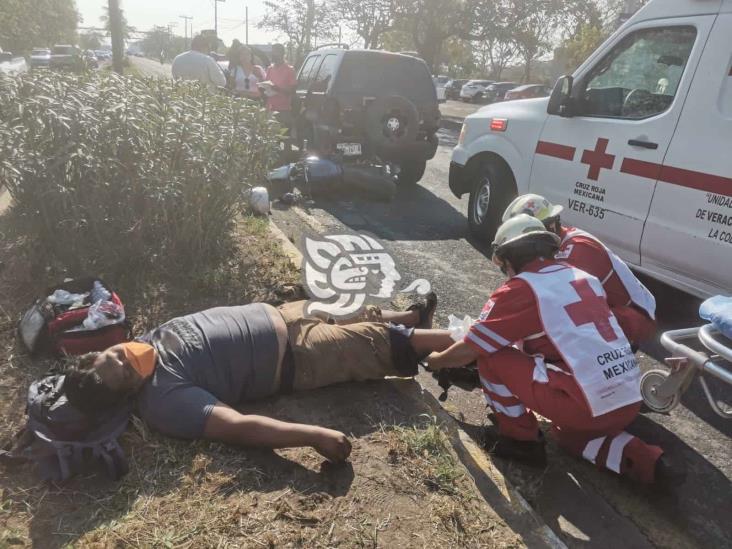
(498,492)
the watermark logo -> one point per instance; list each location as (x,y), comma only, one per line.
(345,272)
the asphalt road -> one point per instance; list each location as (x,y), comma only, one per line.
(150,67)
(425,229)
(457,110)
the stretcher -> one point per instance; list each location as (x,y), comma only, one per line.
(662,389)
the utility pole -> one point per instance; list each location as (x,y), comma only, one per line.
(186,18)
(115,30)
(216,22)
(246,25)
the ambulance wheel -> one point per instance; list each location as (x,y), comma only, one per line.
(649,384)
(492,191)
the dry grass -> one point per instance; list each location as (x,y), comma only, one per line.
(402,487)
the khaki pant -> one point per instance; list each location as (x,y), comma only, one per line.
(328,353)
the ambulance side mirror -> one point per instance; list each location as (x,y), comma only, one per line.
(560,101)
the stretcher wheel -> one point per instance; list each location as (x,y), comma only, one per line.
(649,384)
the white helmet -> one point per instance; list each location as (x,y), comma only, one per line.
(521,227)
(259,200)
(533,204)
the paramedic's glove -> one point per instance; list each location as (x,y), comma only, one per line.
(332,445)
(431,364)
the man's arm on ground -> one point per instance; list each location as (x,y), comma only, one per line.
(457,355)
(227,425)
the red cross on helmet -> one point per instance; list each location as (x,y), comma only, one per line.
(534,205)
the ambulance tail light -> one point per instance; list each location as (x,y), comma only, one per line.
(499,124)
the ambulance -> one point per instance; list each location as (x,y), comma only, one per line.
(636,145)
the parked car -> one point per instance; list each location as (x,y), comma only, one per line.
(65,57)
(496,91)
(635,145)
(453,87)
(440,82)
(474,90)
(527,91)
(12,64)
(103,55)
(40,57)
(369,105)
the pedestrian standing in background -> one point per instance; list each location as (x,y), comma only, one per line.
(280,86)
(196,64)
(244,75)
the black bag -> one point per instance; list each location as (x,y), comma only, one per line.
(62,441)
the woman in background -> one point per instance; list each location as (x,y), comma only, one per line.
(244,74)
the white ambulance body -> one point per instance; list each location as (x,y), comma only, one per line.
(636,145)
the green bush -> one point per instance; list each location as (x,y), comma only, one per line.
(109,173)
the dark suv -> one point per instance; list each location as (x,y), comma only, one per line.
(368,106)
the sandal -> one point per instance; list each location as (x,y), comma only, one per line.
(426,310)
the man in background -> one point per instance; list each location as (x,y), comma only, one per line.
(280,86)
(196,64)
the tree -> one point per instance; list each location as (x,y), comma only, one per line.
(301,22)
(493,30)
(158,39)
(536,23)
(25,25)
(369,19)
(126,28)
(91,40)
(430,23)
(576,49)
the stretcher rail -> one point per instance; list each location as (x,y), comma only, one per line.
(662,390)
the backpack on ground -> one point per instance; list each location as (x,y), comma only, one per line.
(73,318)
(62,441)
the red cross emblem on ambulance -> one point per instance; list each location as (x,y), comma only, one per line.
(591,308)
(598,159)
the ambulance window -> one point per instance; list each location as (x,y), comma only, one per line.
(640,75)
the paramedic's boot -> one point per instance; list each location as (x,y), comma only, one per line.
(669,472)
(529,452)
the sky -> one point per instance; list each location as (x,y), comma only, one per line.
(144,14)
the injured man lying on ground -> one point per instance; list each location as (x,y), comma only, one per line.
(189,374)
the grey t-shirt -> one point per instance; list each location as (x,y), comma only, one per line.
(225,354)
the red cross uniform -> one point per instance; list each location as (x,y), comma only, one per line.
(548,342)
(630,301)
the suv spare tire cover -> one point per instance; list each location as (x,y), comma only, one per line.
(391,121)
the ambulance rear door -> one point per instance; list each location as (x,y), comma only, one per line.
(625,105)
(688,235)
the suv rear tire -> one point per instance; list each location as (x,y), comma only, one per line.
(492,189)
(410,172)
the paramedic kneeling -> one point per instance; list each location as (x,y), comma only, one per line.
(547,341)
(630,301)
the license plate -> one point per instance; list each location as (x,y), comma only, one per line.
(349,149)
